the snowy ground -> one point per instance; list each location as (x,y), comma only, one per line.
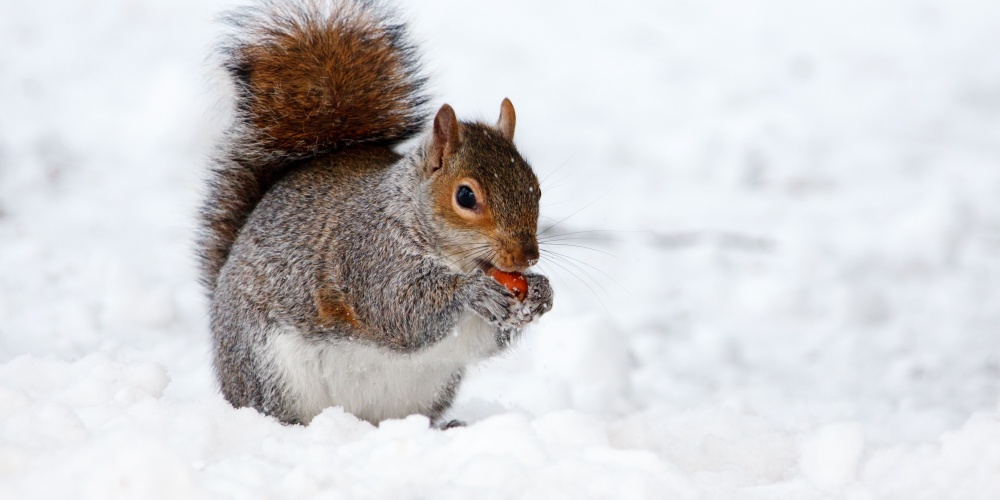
(798,295)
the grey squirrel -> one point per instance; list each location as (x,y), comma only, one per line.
(339,272)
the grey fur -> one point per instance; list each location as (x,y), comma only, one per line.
(333,281)
(371,238)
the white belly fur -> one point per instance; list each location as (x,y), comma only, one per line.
(371,382)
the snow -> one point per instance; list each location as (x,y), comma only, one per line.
(792,290)
(830,455)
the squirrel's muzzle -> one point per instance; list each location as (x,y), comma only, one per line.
(518,256)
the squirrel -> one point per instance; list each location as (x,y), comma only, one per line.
(339,271)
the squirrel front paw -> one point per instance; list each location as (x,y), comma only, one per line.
(498,306)
(493,302)
(539,299)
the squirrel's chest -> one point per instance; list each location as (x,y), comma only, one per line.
(371,382)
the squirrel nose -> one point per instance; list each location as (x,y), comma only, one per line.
(529,254)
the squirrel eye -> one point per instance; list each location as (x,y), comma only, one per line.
(465,197)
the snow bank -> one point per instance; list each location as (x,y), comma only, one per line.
(794,291)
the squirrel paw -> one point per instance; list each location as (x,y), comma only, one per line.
(449,424)
(539,299)
(497,305)
(494,303)
(537,302)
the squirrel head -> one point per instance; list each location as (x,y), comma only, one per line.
(484,194)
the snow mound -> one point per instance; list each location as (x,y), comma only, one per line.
(775,253)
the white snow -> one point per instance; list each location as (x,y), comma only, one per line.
(795,292)
(830,455)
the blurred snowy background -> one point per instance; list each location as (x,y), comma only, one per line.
(794,291)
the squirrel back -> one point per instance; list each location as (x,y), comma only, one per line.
(309,77)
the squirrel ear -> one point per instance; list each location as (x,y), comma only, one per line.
(447,138)
(507,119)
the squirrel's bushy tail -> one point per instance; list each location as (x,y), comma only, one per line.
(310,76)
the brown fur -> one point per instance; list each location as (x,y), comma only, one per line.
(511,192)
(507,119)
(311,77)
(320,68)
(333,308)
